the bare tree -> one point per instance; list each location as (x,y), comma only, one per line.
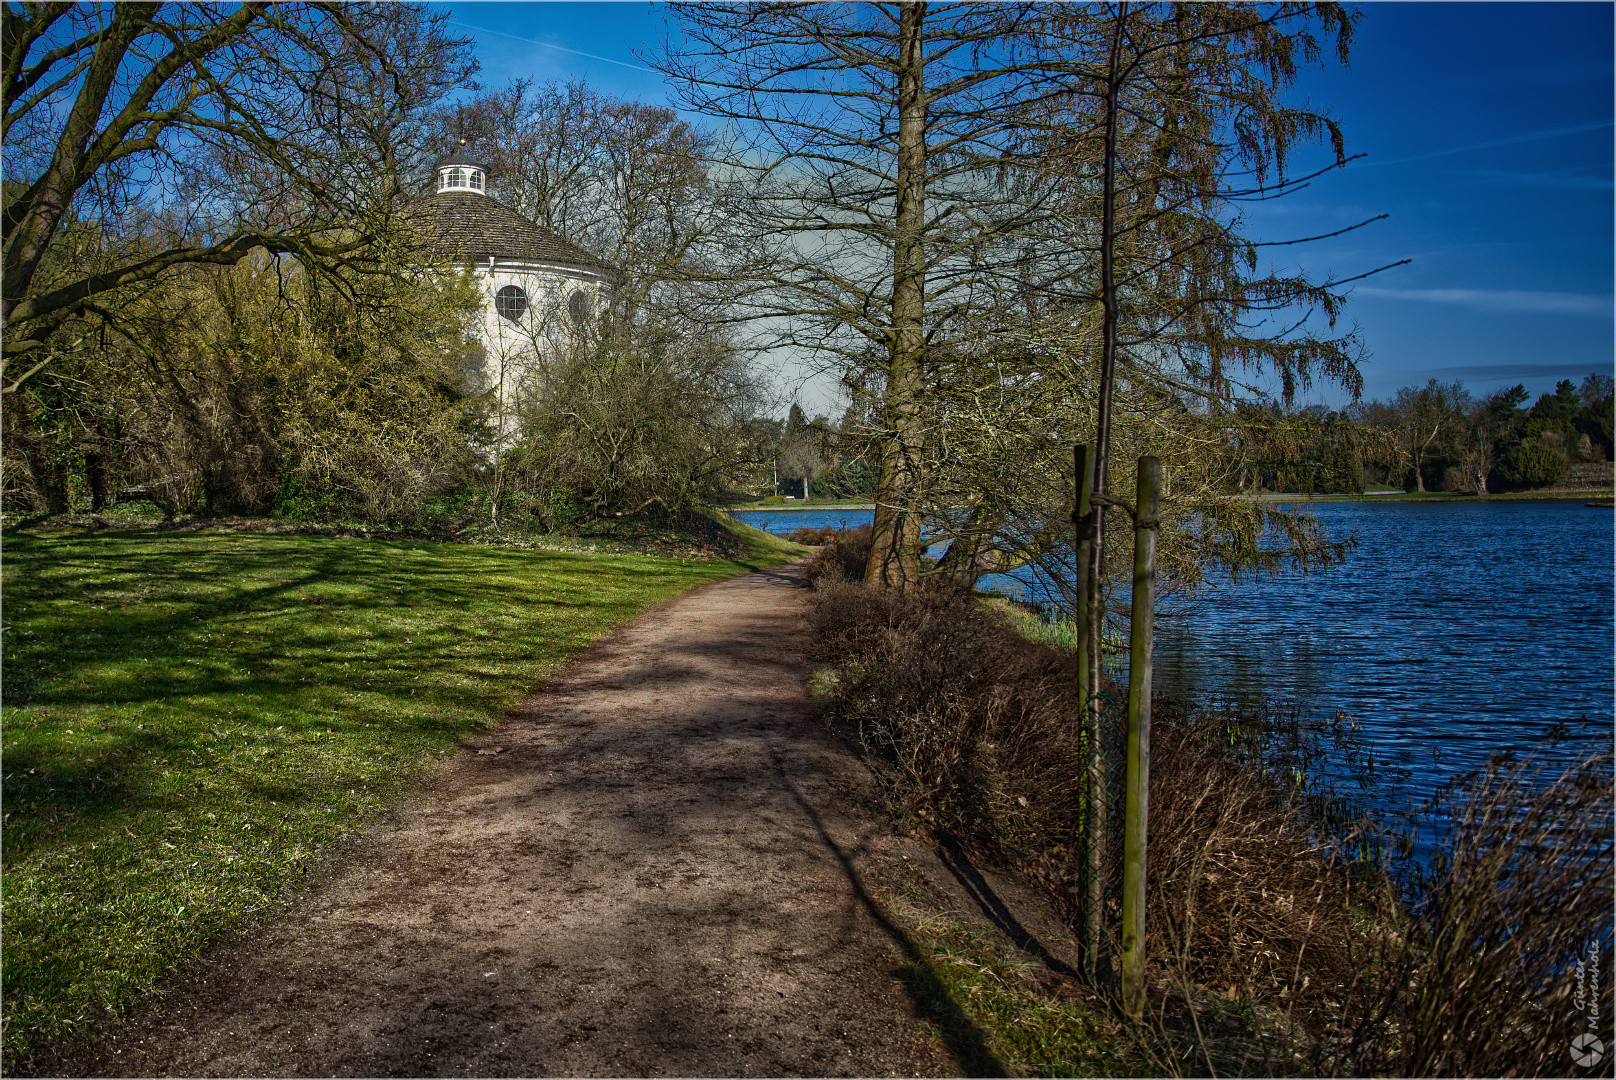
(1487,434)
(626,181)
(146,136)
(1421,414)
(956,202)
(868,158)
(806,448)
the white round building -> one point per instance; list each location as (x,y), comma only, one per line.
(540,291)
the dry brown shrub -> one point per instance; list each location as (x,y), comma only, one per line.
(1241,900)
(977,732)
(842,555)
(977,728)
(1271,950)
(814,536)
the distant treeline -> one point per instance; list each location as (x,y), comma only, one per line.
(1436,437)
(819,457)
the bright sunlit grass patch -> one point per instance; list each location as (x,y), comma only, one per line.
(984,998)
(1035,627)
(188,719)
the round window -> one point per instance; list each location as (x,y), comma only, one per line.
(578,308)
(511,302)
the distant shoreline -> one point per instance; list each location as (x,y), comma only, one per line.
(1367,496)
(797,508)
(1445,496)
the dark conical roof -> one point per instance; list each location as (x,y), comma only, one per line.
(461,158)
(464,225)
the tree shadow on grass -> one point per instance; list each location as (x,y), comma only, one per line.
(223,643)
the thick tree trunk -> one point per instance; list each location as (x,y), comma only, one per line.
(896,544)
(95,475)
(51,480)
(27,237)
(1419,459)
(969,556)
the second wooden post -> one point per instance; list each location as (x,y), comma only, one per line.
(1136,810)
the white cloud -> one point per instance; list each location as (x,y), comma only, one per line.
(1555,303)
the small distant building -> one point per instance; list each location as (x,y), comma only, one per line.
(539,289)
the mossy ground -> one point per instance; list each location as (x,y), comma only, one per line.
(1001,1010)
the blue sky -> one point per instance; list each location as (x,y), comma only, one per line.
(1488,134)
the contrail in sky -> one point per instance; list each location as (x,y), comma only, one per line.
(1551,133)
(1501,299)
(558,48)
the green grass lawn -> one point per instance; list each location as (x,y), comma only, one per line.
(189,719)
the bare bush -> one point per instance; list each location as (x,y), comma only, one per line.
(1489,975)
(976,728)
(1240,897)
(977,732)
(812,536)
(1276,940)
(842,555)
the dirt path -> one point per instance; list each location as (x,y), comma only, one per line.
(658,875)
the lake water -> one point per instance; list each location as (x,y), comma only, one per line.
(1452,630)
(780,522)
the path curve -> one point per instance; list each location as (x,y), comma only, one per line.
(656,875)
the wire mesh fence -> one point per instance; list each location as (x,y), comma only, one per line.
(1100,866)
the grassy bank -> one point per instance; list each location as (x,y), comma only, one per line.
(189,718)
(1004,1011)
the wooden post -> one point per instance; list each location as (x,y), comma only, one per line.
(1136,814)
(1085,487)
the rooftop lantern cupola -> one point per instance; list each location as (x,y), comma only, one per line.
(460,172)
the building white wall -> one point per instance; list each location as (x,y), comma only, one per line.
(515,352)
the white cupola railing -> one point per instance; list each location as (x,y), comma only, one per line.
(460,178)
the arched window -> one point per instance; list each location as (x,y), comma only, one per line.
(456,178)
(476,179)
(473,373)
(578,308)
(511,302)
